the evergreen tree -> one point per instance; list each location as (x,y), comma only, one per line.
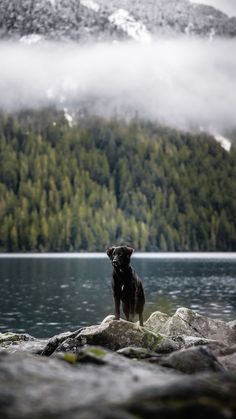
(102,182)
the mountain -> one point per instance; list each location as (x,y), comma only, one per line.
(87,20)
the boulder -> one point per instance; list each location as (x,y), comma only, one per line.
(186,322)
(45,387)
(112,335)
(209,396)
(56,340)
(15,337)
(156,321)
(169,344)
(192,360)
(120,388)
(227,357)
(89,355)
(15,342)
(136,353)
(186,368)
(108,318)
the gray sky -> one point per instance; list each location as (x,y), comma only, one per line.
(227,6)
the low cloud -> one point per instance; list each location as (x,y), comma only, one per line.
(182,82)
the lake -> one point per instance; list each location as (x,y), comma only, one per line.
(47,294)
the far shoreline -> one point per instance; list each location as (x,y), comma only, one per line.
(138,255)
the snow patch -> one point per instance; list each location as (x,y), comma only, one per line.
(90,4)
(50,93)
(224,142)
(135,29)
(188,29)
(212,34)
(68,117)
(31,39)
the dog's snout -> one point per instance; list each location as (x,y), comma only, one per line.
(115,260)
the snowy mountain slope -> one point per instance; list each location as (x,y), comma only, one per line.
(101,19)
(181,81)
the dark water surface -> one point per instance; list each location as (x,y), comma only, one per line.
(47,295)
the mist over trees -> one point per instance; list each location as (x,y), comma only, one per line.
(102,182)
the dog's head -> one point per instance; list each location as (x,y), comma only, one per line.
(120,256)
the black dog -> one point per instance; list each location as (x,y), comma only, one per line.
(126,285)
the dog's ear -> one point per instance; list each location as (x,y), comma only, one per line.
(129,250)
(110,251)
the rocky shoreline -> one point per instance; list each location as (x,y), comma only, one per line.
(172,367)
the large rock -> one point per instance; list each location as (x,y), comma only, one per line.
(113,335)
(188,361)
(214,345)
(192,360)
(227,356)
(209,396)
(34,387)
(137,353)
(163,380)
(156,321)
(15,337)
(56,340)
(18,342)
(186,322)
(45,387)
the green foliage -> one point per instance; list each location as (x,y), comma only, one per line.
(101,182)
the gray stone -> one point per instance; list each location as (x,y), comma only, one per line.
(18,342)
(89,355)
(186,322)
(15,337)
(33,347)
(108,318)
(136,353)
(212,344)
(192,360)
(34,387)
(229,362)
(170,344)
(56,340)
(113,335)
(156,321)
(227,357)
(210,396)
(45,387)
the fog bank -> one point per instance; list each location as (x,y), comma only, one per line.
(183,83)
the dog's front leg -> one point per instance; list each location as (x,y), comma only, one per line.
(117,307)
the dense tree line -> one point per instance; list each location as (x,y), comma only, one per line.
(104,182)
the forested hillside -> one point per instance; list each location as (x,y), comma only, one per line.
(103,182)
